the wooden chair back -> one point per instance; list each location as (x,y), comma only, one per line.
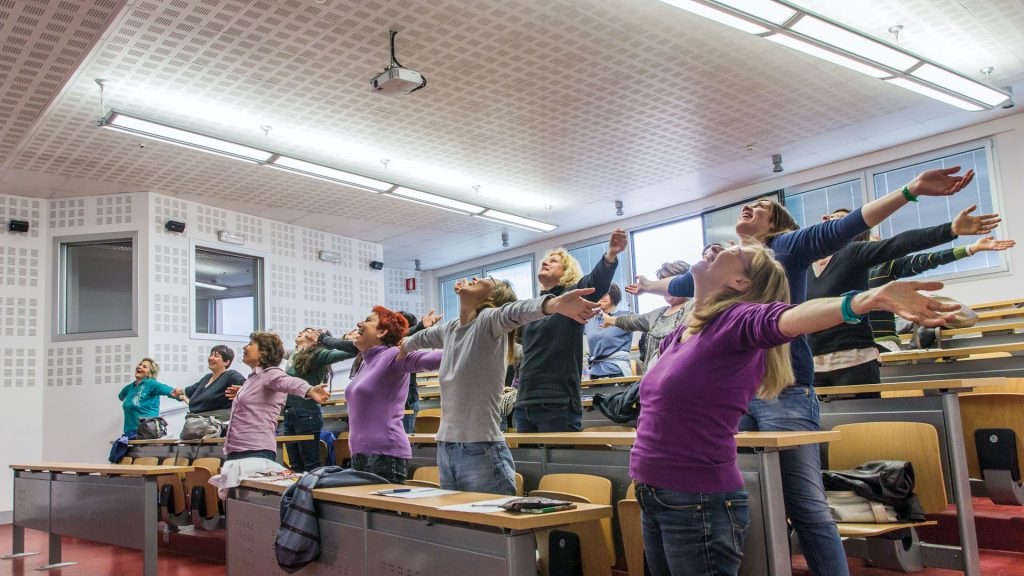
(146,461)
(341,449)
(427,474)
(519,484)
(429,412)
(323,453)
(915,442)
(593,489)
(176,482)
(991,411)
(204,468)
(427,424)
(1012,386)
(126,460)
(632,533)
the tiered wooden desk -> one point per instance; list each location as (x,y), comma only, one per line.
(108,503)
(979,335)
(1011,303)
(192,449)
(766,549)
(954,363)
(940,407)
(366,534)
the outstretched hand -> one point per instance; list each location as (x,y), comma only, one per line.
(966,225)
(429,319)
(989,243)
(641,286)
(573,304)
(319,393)
(941,182)
(903,299)
(607,320)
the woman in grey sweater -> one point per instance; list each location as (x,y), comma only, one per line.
(471,452)
(657,323)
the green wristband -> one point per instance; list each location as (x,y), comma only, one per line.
(906,194)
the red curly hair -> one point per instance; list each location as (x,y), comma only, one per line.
(393,322)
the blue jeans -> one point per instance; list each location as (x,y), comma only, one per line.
(796,409)
(547,418)
(303,456)
(476,467)
(409,422)
(693,534)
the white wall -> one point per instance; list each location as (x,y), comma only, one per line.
(59,399)
(22,338)
(1006,133)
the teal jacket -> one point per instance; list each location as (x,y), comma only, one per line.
(141,400)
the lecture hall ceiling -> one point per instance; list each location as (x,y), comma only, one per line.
(567,104)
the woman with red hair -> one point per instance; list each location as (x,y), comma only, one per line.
(377,393)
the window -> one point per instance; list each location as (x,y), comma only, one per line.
(228,292)
(932,211)
(96,290)
(518,272)
(588,257)
(652,247)
(808,205)
(720,224)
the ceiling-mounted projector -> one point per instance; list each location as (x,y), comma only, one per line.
(395,79)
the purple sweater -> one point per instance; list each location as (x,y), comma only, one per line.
(376,400)
(694,397)
(255,409)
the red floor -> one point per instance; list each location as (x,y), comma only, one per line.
(97,559)
(103,560)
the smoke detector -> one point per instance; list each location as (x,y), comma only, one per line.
(396,79)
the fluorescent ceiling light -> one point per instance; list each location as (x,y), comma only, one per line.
(853,42)
(181,137)
(959,84)
(933,93)
(527,223)
(764,9)
(824,54)
(210,286)
(311,169)
(718,16)
(434,199)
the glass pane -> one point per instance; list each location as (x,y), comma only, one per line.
(97,287)
(450,300)
(227,292)
(682,240)
(935,210)
(588,257)
(720,225)
(520,275)
(809,206)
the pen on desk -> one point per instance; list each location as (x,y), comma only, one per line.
(395,491)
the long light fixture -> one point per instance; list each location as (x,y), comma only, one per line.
(519,221)
(797,28)
(178,136)
(209,286)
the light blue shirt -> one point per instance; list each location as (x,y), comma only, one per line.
(141,400)
(605,343)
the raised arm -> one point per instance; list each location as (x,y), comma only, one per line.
(930,183)
(901,298)
(420,361)
(600,278)
(341,344)
(429,338)
(634,322)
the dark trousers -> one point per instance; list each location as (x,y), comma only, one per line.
(394,470)
(303,456)
(866,373)
(547,418)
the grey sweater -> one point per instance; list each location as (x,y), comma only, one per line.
(656,327)
(472,372)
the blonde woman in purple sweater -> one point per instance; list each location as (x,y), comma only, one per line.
(735,345)
(377,393)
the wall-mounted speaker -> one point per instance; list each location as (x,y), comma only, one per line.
(175,226)
(376,264)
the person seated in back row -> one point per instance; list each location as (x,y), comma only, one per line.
(208,394)
(141,398)
(608,345)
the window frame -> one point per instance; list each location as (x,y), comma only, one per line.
(60,244)
(634,300)
(260,300)
(512,262)
(995,188)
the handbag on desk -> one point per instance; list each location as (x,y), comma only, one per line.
(151,428)
(198,427)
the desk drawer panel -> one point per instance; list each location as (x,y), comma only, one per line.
(252,530)
(32,501)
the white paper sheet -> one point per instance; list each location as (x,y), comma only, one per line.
(415,493)
(481,507)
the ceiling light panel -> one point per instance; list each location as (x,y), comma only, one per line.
(184,137)
(434,199)
(331,173)
(960,84)
(824,54)
(853,42)
(520,221)
(933,93)
(718,16)
(764,9)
